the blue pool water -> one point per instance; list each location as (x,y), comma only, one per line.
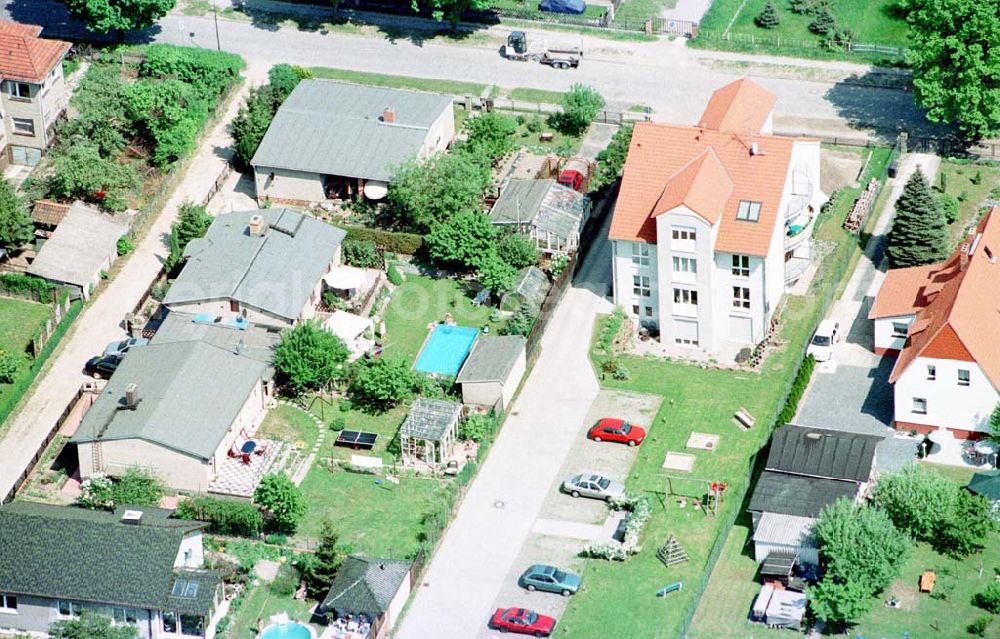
(289,630)
(445,350)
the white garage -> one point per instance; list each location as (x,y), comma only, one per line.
(493,370)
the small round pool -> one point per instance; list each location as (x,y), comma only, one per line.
(290,630)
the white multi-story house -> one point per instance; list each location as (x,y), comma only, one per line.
(713,221)
(943,322)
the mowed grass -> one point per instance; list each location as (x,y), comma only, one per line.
(873,22)
(453,87)
(19,321)
(421,300)
(960,178)
(380,519)
(289,424)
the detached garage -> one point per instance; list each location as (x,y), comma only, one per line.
(493,370)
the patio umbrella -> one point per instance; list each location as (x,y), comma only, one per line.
(345,278)
(986,484)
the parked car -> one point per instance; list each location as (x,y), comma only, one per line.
(827,334)
(522,621)
(102,366)
(122,347)
(594,486)
(549,579)
(609,429)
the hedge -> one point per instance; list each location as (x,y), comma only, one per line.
(798,389)
(21,283)
(224,516)
(20,387)
(392,241)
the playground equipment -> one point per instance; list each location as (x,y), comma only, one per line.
(672,552)
(669,588)
(713,493)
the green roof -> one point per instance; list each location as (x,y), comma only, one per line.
(334,128)
(986,484)
(190,394)
(366,585)
(72,553)
(543,204)
(275,271)
(492,358)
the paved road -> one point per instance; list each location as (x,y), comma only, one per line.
(101,321)
(665,75)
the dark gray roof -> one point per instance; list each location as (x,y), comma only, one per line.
(192,591)
(79,247)
(190,392)
(335,128)
(366,585)
(256,342)
(819,452)
(275,271)
(797,495)
(72,553)
(544,204)
(430,419)
(492,358)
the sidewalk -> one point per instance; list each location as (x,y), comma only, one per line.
(101,321)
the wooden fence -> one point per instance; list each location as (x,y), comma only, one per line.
(59,310)
(548,308)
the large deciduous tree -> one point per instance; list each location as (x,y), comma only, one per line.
(309,357)
(916,499)
(106,16)
(463,240)
(280,497)
(919,233)
(435,189)
(380,384)
(15,223)
(955,57)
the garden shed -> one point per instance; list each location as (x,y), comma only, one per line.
(428,434)
(493,370)
(530,288)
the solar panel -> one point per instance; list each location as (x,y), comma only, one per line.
(185,589)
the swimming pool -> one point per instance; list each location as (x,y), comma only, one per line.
(445,350)
(290,630)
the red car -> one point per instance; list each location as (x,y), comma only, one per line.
(522,621)
(610,429)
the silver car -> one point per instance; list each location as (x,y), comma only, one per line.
(594,486)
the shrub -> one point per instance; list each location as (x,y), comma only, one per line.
(490,136)
(22,283)
(611,160)
(535,124)
(394,242)
(280,497)
(949,206)
(478,427)
(251,123)
(977,178)
(989,598)
(393,275)
(768,18)
(137,487)
(518,250)
(224,516)
(11,365)
(168,113)
(95,493)
(338,423)
(212,72)
(640,514)
(558,264)
(521,322)
(362,253)
(125,246)
(192,222)
(979,625)
(81,173)
(797,390)
(380,384)
(286,582)
(610,327)
(283,78)
(16,228)
(580,105)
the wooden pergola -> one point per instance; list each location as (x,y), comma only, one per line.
(428,434)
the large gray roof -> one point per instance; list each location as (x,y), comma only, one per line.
(255,341)
(819,452)
(275,271)
(797,495)
(72,553)
(335,128)
(544,204)
(492,358)
(78,248)
(190,392)
(366,585)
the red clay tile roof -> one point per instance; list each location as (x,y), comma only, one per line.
(963,319)
(703,186)
(907,290)
(26,57)
(659,151)
(742,106)
(48,212)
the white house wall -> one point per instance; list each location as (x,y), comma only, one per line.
(884,338)
(806,554)
(949,405)
(178,470)
(514,379)
(191,553)
(441,132)
(288,185)
(398,602)
(671,314)
(250,416)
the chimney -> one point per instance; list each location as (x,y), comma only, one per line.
(132,517)
(989,255)
(132,396)
(389,115)
(963,256)
(754,149)
(257,225)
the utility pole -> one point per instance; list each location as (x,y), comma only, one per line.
(215,13)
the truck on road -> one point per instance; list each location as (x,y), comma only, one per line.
(559,55)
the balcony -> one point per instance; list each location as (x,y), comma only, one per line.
(795,268)
(797,232)
(802,193)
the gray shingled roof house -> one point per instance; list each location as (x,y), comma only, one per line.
(265,266)
(84,243)
(144,570)
(190,401)
(807,469)
(493,370)
(374,588)
(332,139)
(551,214)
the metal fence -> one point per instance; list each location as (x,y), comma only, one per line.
(754,39)
(549,305)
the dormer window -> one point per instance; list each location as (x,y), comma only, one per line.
(748,211)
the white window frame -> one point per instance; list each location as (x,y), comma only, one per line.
(683,238)
(74,607)
(748,211)
(14,126)
(964,377)
(124,616)
(642,286)
(931,372)
(686,265)
(740,266)
(8,604)
(919,406)
(896,332)
(640,254)
(14,90)
(741,297)
(685,296)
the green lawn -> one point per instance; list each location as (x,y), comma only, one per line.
(703,400)
(536,95)
(959,182)
(873,22)
(634,12)
(289,424)
(382,520)
(561,144)
(19,321)
(260,602)
(420,301)
(385,424)
(399,82)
